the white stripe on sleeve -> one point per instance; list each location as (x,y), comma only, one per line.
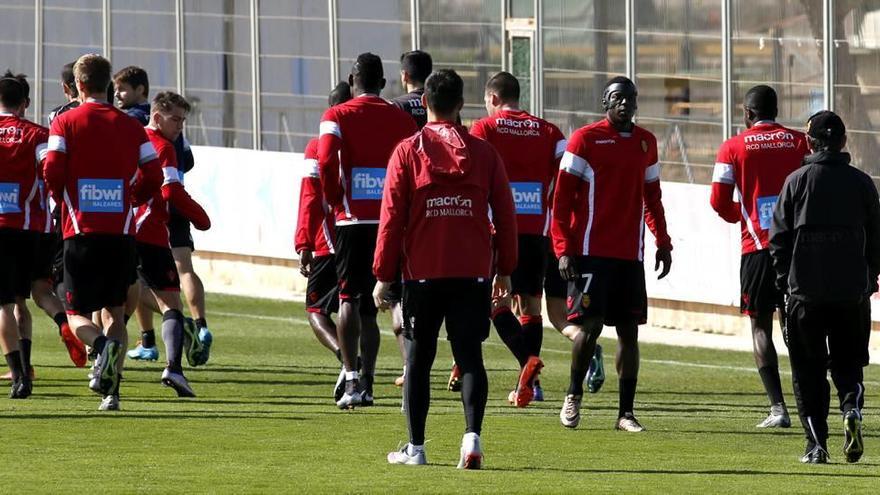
(576,165)
(560,147)
(311,167)
(329,127)
(171,175)
(42,151)
(723,173)
(147,153)
(652,173)
(57,143)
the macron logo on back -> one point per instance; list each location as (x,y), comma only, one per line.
(100,195)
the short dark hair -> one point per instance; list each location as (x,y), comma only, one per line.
(417,65)
(762,100)
(134,76)
(93,71)
(444,91)
(505,85)
(67,78)
(167,101)
(826,131)
(23,80)
(340,94)
(11,93)
(368,72)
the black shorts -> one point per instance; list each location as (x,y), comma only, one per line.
(464,304)
(179,233)
(45,252)
(322,291)
(608,288)
(758,292)
(97,271)
(554,284)
(833,333)
(527,278)
(17,249)
(156,268)
(355,246)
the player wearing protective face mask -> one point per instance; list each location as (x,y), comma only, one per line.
(607,190)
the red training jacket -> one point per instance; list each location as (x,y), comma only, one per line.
(314,225)
(152,216)
(755,163)
(531,149)
(356,139)
(608,188)
(22,151)
(100,165)
(435,208)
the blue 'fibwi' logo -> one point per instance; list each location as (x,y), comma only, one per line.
(528,197)
(367,183)
(9,194)
(100,195)
(766,205)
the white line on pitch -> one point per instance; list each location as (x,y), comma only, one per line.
(302,321)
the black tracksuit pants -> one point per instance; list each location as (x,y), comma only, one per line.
(823,337)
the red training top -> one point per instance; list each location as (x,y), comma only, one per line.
(435,208)
(608,188)
(755,163)
(152,216)
(100,164)
(314,225)
(356,139)
(531,149)
(22,151)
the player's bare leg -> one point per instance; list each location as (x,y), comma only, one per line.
(194,292)
(583,346)
(627,363)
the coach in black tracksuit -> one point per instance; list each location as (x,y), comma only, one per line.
(825,244)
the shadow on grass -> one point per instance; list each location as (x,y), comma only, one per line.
(157,415)
(691,472)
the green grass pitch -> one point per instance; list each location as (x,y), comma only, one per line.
(264,422)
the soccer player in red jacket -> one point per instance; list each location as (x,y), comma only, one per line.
(440,187)
(156,269)
(313,241)
(22,150)
(530,148)
(607,190)
(356,140)
(100,165)
(755,163)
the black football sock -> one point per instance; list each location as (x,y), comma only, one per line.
(511,333)
(627,396)
(772,384)
(339,355)
(580,362)
(172,334)
(60,319)
(201,323)
(13,360)
(533,333)
(99,343)
(148,338)
(25,346)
